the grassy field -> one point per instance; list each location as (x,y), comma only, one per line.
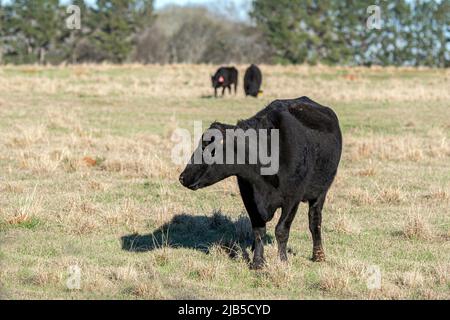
(86,180)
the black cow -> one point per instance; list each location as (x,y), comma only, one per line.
(310,145)
(224,78)
(252,81)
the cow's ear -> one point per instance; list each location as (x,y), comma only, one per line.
(219,126)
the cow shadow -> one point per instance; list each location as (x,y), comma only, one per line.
(199,233)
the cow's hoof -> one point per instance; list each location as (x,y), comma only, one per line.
(283,256)
(257,265)
(318,255)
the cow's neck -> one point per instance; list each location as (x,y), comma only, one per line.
(265,195)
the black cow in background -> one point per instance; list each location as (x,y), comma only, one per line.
(252,81)
(224,78)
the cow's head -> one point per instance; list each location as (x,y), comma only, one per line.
(252,90)
(217,80)
(207,164)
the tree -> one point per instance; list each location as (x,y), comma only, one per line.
(2,30)
(281,24)
(32,28)
(117,21)
(391,45)
(308,30)
(194,38)
(334,31)
(197,35)
(152,46)
(442,33)
(432,33)
(75,41)
(414,32)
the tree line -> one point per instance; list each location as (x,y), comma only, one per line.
(334,32)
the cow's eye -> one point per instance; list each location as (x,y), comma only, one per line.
(207,143)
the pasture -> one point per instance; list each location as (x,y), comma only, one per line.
(86,180)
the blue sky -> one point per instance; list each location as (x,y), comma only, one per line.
(236,8)
(161,3)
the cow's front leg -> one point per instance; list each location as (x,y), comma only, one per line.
(258,254)
(282,229)
(258,223)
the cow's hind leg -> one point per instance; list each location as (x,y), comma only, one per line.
(283,227)
(223,91)
(315,222)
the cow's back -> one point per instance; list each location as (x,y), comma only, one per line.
(252,80)
(229,73)
(310,146)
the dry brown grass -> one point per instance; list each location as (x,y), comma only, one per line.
(417,227)
(409,148)
(411,279)
(29,207)
(310,79)
(441,273)
(333,281)
(343,224)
